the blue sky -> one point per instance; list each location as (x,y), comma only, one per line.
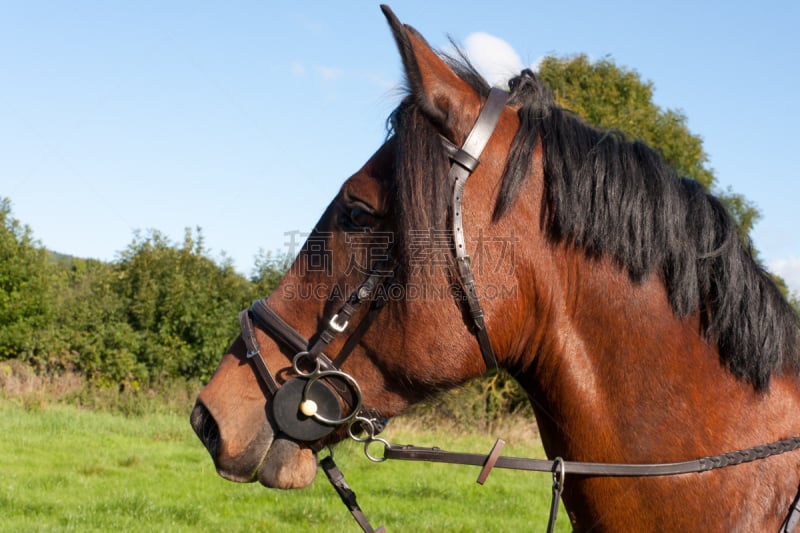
(244,118)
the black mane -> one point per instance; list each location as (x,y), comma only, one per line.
(615,198)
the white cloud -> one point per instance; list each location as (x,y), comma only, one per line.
(494,58)
(379,81)
(323,72)
(329,73)
(789,270)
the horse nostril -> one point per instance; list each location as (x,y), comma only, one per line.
(206,428)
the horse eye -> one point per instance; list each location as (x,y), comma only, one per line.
(360,218)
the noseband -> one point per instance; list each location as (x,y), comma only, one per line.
(308,406)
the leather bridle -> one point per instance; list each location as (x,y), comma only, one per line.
(321,397)
(308,409)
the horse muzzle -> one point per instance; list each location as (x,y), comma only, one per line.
(275,462)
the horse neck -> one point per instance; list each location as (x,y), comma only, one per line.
(615,376)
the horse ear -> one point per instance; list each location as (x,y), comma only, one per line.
(443,96)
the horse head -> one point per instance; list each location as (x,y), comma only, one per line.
(390,222)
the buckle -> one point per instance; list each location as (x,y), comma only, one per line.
(337,326)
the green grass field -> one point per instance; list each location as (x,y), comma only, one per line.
(65,469)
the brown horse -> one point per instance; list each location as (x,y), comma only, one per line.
(617,294)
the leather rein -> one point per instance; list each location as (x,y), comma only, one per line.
(309,406)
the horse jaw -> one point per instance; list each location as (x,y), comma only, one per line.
(287,465)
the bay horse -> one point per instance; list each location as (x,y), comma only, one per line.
(618,295)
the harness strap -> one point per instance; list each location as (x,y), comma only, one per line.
(560,468)
(254,352)
(558,488)
(363,326)
(339,321)
(268,320)
(704,464)
(262,315)
(792,521)
(284,334)
(491,460)
(347,495)
(464,162)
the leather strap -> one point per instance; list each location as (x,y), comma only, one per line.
(704,464)
(254,352)
(338,322)
(352,341)
(268,320)
(347,495)
(491,460)
(277,328)
(791,522)
(558,488)
(560,468)
(465,160)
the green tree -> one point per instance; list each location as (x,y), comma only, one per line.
(182,305)
(268,271)
(613,97)
(92,323)
(25,292)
